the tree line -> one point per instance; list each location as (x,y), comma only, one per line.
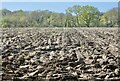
(75,16)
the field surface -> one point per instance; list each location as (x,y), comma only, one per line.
(60,54)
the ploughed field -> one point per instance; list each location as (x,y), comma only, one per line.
(57,54)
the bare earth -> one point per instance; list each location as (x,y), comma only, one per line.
(60,54)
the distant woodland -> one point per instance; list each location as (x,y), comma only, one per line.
(75,16)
